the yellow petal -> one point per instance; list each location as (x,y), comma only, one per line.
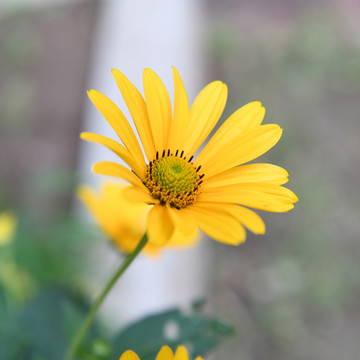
(271,174)
(159,108)
(119,150)
(8,223)
(109,168)
(179,239)
(204,114)
(165,354)
(266,197)
(182,220)
(180,120)
(159,225)
(247,117)
(118,122)
(138,111)
(87,196)
(199,358)
(129,355)
(240,149)
(245,216)
(139,194)
(218,224)
(181,353)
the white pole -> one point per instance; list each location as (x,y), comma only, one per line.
(132,35)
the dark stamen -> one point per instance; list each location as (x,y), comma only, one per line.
(200,182)
(197,170)
(201,176)
(191,157)
(176,152)
(163,154)
(168,152)
(157,155)
(182,153)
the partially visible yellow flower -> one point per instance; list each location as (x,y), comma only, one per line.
(7,227)
(123,221)
(164,354)
(16,281)
(190,186)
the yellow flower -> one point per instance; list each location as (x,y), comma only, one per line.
(164,354)
(187,185)
(123,221)
(7,227)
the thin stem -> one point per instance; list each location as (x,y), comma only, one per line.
(88,321)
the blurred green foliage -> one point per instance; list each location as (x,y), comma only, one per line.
(41,307)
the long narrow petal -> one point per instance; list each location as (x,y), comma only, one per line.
(218,224)
(181,353)
(179,239)
(119,150)
(247,117)
(204,114)
(110,168)
(159,108)
(272,198)
(182,221)
(118,122)
(271,174)
(129,355)
(245,216)
(180,120)
(139,194)
(240,149)
(159,225)
(138,111)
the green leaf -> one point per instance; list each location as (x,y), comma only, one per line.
(172,327)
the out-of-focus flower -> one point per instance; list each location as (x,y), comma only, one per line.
(164,354)
(209,190)
(7,227)
(123,221)
(16,281)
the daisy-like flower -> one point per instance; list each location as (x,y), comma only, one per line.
(123,221)
(189,186)
(7,227)
(164,354)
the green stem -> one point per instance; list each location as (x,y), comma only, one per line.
(88,321)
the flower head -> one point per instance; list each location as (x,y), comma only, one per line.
(186,185)
(164,354)
(123,221)
(7,227)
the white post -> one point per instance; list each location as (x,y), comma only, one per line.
(132,35)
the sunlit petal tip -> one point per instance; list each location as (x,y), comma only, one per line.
(149,72)
(294,198)
(174,69)
(181,353)
(165,354)
(83,135)
(129,355)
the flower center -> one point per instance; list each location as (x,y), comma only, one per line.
(173,180)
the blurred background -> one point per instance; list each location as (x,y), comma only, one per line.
(291,294)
